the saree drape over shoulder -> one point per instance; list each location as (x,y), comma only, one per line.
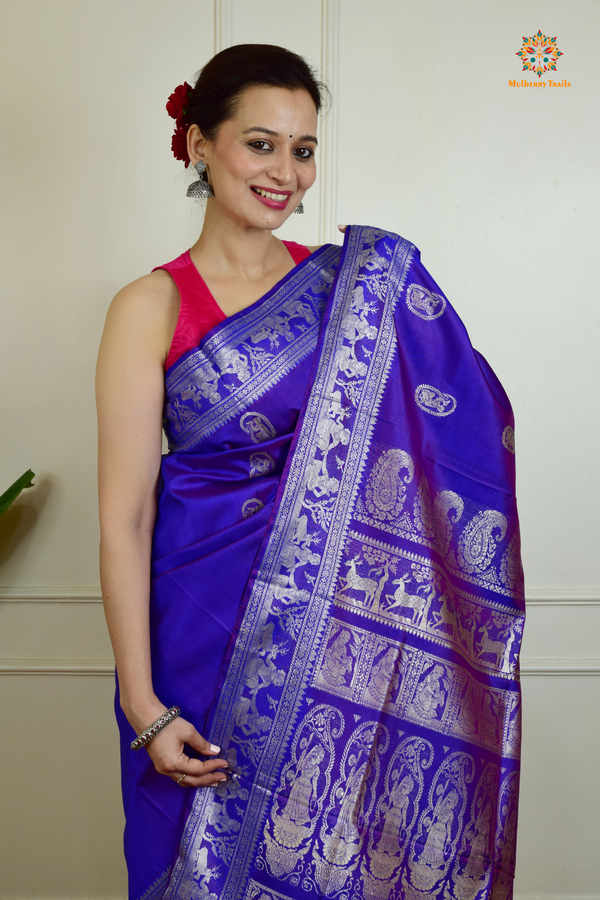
(337,599)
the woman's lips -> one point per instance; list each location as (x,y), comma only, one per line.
(274,199)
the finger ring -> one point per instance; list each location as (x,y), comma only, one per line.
(181,777)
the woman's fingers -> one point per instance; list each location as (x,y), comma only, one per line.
(207,776)
(342,228)
(197,772)
(195,740)
(211,769)
(167,753)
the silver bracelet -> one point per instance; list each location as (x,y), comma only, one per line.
(146,736)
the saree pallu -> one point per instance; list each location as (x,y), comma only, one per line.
(337,599)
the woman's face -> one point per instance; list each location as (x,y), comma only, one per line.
(262,161)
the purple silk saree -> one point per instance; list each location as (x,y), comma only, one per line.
(337,599)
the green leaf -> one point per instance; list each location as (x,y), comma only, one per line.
(15,489)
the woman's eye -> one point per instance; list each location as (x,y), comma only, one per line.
(260,145)
(304,152)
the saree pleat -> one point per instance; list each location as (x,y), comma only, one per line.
(354,565)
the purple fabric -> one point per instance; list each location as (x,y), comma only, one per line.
(337,598)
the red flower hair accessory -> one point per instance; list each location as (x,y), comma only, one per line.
(179,144)
(177,106)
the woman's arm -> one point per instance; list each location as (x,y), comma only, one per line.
(130,395)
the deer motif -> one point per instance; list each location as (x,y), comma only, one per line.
(515,629)
(496,648)
(355,582)
(401,597)
(444,620)
(465,635)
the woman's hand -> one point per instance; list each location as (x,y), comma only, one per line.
(342,228)
(167,752)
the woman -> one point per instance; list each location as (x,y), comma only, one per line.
(327,418)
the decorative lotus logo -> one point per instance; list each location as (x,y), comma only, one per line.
(539,54)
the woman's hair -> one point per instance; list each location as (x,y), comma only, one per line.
(222,81)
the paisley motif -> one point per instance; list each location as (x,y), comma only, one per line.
(431,400)
(304,781)
(506,838)
(479,540)
(448,508)
(424,303)
(396,811)
(423,511)
(511,572)
(352,798)
(386,491)
(472,869)
(440,826)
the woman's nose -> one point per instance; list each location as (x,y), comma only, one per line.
(282,169)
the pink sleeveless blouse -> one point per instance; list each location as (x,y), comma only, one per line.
(199,311)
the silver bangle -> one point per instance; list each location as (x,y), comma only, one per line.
(146,736)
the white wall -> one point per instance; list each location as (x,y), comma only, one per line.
(498,186)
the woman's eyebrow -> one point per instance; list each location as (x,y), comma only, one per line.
(305,137)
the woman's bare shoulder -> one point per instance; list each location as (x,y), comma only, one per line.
(151,302)
(144,313)
(149,293)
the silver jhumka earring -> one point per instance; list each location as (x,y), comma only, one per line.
(200,190)
(300,208)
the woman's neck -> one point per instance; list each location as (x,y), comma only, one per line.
(228,250)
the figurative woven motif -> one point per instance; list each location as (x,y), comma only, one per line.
(433,401)
(424,303)
(371,703)
(250,354)
(261,464)
(385,674)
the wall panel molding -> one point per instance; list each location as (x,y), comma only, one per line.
(328,124)
(51,594)
(57,667)
(533,666)
(563,597)
(223,22)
